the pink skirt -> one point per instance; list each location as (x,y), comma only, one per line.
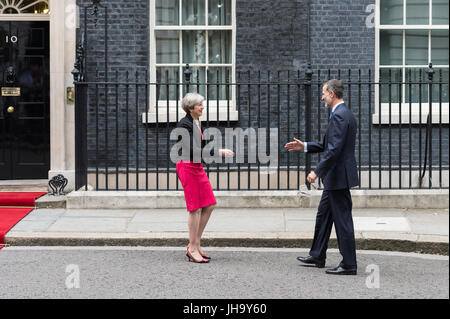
(197,188)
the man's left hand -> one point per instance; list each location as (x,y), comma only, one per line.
(312,177)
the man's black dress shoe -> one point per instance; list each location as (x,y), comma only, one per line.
(341,271)
(312,261)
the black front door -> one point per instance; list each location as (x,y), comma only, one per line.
(24,100)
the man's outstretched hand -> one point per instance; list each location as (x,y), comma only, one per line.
(297,145)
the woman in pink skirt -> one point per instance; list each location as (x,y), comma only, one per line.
(200,200)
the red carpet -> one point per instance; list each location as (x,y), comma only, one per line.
(13,208)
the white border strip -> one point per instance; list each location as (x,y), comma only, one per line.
(222,249)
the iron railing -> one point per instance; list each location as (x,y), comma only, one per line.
(123,122)
(123,143)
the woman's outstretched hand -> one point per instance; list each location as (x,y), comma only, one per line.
(226,153)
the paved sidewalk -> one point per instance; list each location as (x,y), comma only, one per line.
(383,229)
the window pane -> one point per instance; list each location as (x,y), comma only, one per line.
(439,47)
(440,11)
(419,85)
(194,12)
(389,85)
(391,47)
(219,75)
(391,12)
(416,47)
(167,47)
(219,46)
(417,11)
(219,12)
(194,47)
(440,75)
(167,12)
(167,78)
(197,77)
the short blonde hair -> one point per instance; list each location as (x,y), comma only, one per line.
(190,101)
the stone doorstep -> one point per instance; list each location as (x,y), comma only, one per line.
(51,202)
(406,199)
(34,186)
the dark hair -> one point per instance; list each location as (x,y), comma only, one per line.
(335,86)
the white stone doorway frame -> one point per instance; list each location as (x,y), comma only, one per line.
(63,24)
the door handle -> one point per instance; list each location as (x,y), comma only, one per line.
(10,109)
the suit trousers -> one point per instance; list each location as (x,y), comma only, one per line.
(335,207)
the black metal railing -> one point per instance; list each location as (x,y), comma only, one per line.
(124,126)
(124,121)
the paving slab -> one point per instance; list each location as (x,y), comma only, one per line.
(71,224)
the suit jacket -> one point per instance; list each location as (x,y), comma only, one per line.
(337,168)
(196,142)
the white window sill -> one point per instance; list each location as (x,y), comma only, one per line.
(163,117)
(416,118)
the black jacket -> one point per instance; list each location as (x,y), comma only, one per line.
(337,168)
(194,145)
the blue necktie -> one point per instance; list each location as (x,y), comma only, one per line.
(331,115)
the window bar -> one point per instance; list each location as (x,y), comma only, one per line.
(239,110)
(268,126)
(390,128)
(86,74)
(85,145)
(370,129)
(298,126)
(96,134)
(249,126)
(198,81)
(359,126)
(410,128)
(329,110)
(106,135)
(137,130)
(218,85)
(228,122)
(146,128)
(168,130)
(430,128)
(127,131)
(207,115)
(350,89)
(117,130)
(379,133)
(420,128)
(177,117)
(400,99)
(278,124)
(157,130)
(258,128)
(288,127)
(319,115)
(440,128)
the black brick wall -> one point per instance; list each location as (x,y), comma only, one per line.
(271,38)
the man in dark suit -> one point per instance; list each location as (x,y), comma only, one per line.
(338,171)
